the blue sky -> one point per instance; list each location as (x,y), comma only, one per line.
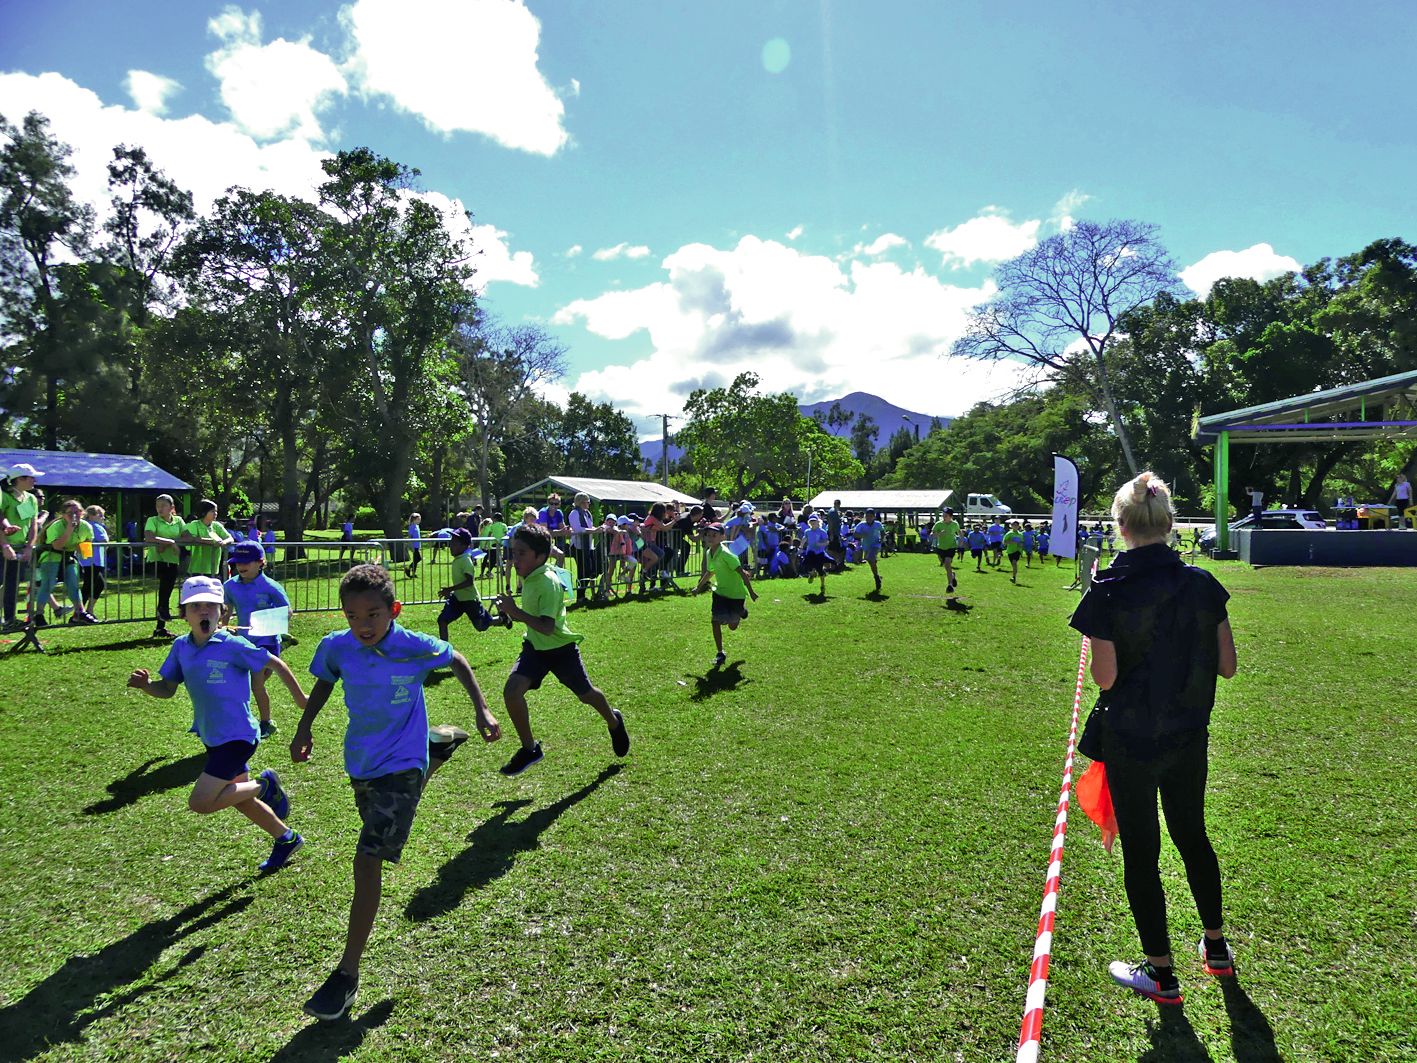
(816,191)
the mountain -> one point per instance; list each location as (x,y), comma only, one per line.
(888,418)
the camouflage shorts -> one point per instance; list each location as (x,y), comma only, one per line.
(386,805)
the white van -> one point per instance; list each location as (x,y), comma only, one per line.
(979,505)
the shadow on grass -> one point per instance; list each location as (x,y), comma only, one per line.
(717,680)
(59,1009)
(1251,1036)
(492,851)
(875,596)
(147,779)
(334,1040)
(816,599)
(1172,1038)
(954,605)
(126,644)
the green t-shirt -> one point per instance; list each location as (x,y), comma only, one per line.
(164,529)
(463,567)
(724,567)
(946,533)
(50,555)
(544,595)
(1013,542)
(497,531)
(21,511)
(205,560)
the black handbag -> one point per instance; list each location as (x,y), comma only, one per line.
(1090,741)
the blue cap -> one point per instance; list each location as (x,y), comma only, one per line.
(245,553)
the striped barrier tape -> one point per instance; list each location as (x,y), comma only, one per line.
(1031,1035)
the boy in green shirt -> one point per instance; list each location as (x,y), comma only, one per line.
(550,646)
(462,595)
(732,585)
(946,532)
(207,540)
(1013,546)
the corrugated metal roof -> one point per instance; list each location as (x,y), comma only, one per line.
(106,472)
(607,490)
(1316,404)
(885,500)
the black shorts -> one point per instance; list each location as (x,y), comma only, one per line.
(813,563)
(387,804)
(976,551)
(725,609)
(945,555)
(960,551)
(455,607)
(1043,551)
(564,662)
(228,760)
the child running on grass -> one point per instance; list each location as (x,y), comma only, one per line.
(216,668)
(249,591)
(733,583)
(996,543)
(868,532)
(1160,635)
(390,752)
(550,646)
(977,542)
(814,551)
(1013,546)
(947,532)
(461,594)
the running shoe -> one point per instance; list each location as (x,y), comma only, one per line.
(268,728)
(281,853)
(444,739)
(273,794)
(619,736)
(522,759)
(333,999)
(719,660)
(1217,957)
(1145,980)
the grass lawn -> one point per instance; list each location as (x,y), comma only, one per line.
(832,849)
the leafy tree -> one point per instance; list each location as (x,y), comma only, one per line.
(1059,306)
(863,437)
(596,439)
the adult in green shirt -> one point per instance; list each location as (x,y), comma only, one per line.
(163,533)
(946,535)
(19,507)
(207,542)
(59,559)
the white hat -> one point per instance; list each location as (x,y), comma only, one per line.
(201,589)
(746,507)
(23,469)
(624,520)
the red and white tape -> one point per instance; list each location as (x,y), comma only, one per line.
(1031,1035)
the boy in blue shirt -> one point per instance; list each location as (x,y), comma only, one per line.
(996,543)
(250,591)
(868,532)
(216,668)
(1029,541)
(977,541)
(814,551)
(389,750)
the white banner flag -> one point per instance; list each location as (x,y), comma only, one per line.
(1064,542)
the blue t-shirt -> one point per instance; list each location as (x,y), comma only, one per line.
(346,531)
(383,691)
(869,532)
(1028,538)
(261,593)
(100,535)
(553,520)
(976,540)
(815,541)
(269,538)
(996,533)
(218,679)
(415,533)
(1043,540)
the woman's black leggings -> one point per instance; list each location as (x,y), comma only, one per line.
(12,585)
(1179,777)
(166,577)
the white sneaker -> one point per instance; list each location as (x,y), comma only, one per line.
(1141,978)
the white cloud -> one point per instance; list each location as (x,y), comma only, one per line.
(621,250)
(460,66)
(804,323)
(272,90)
(1065,209)
(796,231)
(495,261)
(988,237)
(880,245)
(1259,262)
(150,91)
(574,250)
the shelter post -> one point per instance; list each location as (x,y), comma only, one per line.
(1222,491)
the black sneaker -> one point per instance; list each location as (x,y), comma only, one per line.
(719,659)
(83,618)
(161,632)
(619,736)
(444,739)
(522,759)
(333,999)
(1217,957)
(268,728)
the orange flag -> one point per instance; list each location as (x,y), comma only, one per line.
(1095,798)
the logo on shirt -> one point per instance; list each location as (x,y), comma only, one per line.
(216,672)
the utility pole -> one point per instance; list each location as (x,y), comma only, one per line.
(665,418)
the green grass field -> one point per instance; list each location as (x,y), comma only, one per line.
(834,849)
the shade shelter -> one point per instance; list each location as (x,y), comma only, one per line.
(1335,415)
(617,492)
(931,501)
(84,472)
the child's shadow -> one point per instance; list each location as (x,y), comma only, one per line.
(334,1040)
(59,1009)
(875,596)
(493,851)
(954,605)
(144,780)
(729,677)
(816,599)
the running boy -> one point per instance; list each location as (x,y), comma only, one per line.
(390,752)
(947,532)
(1013,546)
(814,551)
(249,591)
(550,646)
(868,533)
(216,667)
(732,583)
(977,542)
(996,543)
(461,594)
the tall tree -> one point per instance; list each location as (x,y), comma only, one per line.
(596,439)
(863,438)
(1059,305)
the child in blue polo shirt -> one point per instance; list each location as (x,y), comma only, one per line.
(814,552)
(868,532)
(250,591)
(415,534)
(550,647)
(996,542)
(216,668)
(389,750)
(977,542)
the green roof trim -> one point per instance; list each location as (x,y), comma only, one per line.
(1316,404)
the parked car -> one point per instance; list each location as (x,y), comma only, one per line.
(982,505)
(1271,518)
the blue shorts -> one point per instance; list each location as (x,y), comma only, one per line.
(228,760)
(564,662)
(473,609)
